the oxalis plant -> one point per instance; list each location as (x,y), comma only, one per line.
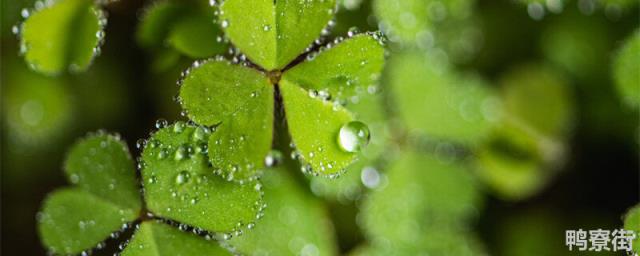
(286,94)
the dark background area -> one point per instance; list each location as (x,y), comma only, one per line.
(599,182)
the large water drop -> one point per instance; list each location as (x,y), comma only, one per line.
(353,136)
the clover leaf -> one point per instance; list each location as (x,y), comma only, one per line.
(273,33)
(61,35)
(156,238)
(315,93)
(104,198)
(626,72)
(423,193)
(185,26)
(524,150)
(180,185)
(239,100)
(413,21)
(459,109)
(295,224)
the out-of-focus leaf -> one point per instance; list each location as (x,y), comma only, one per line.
(579,44)
(314,125)
(156,23)
(159,239)
(36,109)
(512,165)
(632,222)
(180,184)
(294,223)
(197,36)
(433,101)
(273,33)
(423,193)
(185,26)
(64,35)
(413,21)
(538,101)
(627,70)
(74,220)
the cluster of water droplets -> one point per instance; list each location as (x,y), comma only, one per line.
(197,147)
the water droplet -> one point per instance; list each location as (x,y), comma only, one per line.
(178,127)
(370,177)
(353,136)
(163,153)
(74,178)
(182,177)
(273,158)
(199,134)
(266,28)
(24,13)
(161,123)
(224,23)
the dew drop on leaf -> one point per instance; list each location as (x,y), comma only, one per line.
(178,127)
(161,123)
(353,136)
(273,158)
(182,177)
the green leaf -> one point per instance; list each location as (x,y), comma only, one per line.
(102,165)
(185,26)
(243,139)
(157,21)
(35,109)
(295,223)
(537,100)
(632,222)
(63,35)
(273,33)
(369,109)
(314,126)
(423,193)
(240,100)
(627,70)
(344,71)
(412,21)
(438,240)
(345,189)
(215,90)
(579,44)
(106,196)
(197,36)
(433,101)
(181,185)
(511,164)
(156,238)
(73,220)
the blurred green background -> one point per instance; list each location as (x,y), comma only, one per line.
(499,124)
